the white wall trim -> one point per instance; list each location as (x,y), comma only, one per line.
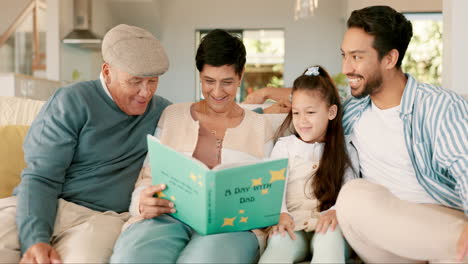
(455,52)
(53,40)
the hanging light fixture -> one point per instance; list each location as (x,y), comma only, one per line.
(305,8)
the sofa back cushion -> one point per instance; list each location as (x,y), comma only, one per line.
(18,111)
(11,157)
(276,120)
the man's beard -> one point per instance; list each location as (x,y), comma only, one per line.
(372,86)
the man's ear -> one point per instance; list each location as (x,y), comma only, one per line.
(242,75)
(332,111)
(106,72)
(391,59)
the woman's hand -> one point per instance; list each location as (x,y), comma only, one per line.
(151,206)
(326,220)
(285,223)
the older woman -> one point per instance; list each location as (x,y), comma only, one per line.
(215,130)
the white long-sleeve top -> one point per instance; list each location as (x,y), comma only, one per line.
(304,159)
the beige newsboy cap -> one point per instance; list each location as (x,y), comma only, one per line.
(135,51)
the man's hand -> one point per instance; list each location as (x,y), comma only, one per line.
(326,220)
(151,206)
(462,245)
(41,253)
(256,97)
(282,106)
(285,223)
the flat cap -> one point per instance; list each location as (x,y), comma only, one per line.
(135,51)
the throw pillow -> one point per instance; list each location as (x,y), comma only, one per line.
(11,157)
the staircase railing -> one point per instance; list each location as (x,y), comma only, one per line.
(32,7)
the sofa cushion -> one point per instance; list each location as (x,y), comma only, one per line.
(11,157)
(275,119)
(18,111)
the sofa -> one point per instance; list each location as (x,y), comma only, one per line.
(16,115)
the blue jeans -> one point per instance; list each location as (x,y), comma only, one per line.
(165,239)
(330,247)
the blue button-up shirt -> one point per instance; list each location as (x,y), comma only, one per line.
(435,124)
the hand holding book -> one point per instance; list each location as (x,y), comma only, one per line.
(228,198)
(152,206)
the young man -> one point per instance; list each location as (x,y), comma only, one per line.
(412,203)
(83,153)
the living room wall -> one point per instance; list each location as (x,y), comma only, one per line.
(314,40)
(400,5)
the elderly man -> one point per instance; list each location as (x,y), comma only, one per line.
(83,153)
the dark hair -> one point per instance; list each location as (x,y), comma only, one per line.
(327,181)
(391,29)
(220,48)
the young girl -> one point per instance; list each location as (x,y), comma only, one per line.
(319,163)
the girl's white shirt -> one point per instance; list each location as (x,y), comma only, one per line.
(304,159)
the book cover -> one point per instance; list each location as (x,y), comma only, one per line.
(227,198)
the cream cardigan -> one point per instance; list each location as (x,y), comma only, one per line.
(252,139)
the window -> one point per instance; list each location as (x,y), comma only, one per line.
(423,59)
(265,59)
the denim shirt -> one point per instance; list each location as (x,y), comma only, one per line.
(435,124)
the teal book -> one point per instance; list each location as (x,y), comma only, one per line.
(227,198)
